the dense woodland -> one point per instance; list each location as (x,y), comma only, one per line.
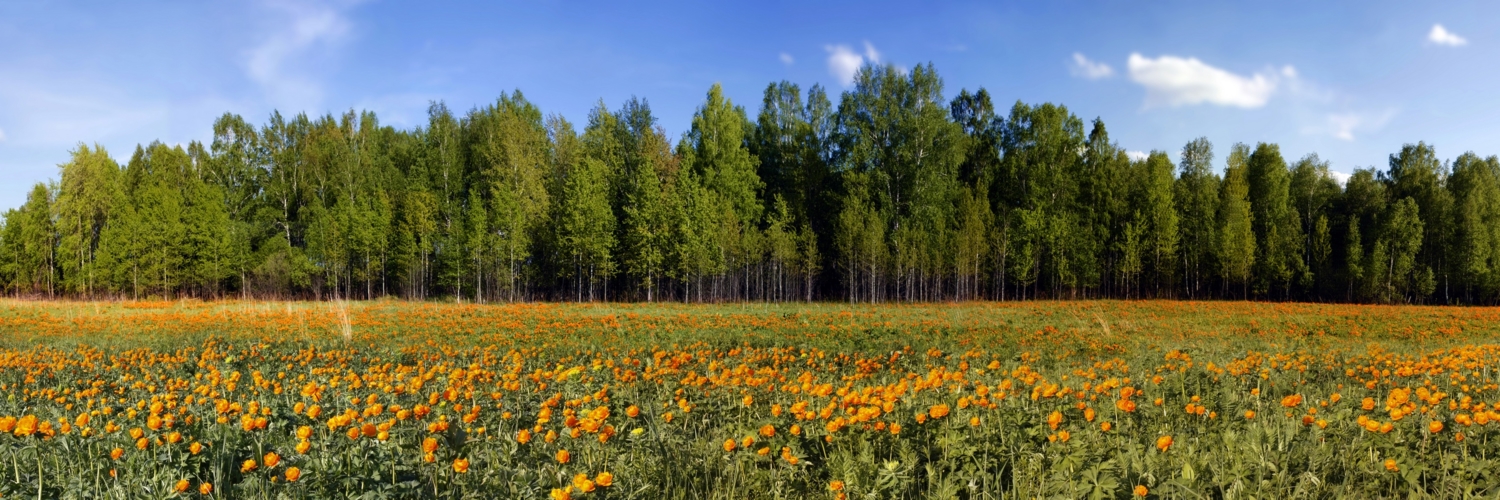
(893,193)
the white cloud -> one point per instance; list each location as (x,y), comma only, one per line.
(274,64)
(787,59)
(2,135)
(1138,155)
(1344,125)
(1092,70)
(1339,177)
(844,62)
(1175,81)
(1441,36)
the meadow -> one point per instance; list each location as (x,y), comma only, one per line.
(1080,399)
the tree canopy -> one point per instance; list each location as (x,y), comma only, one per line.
(889,192)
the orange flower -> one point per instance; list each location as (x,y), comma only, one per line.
(1390,465)
(430,445)
(728,445)
(523,436)
(767,430)
(271,459)
(142,443)
(248,465)
(181,486)
(205,488)
(292,473)
(563,456)
(581,482)
(1164,442)
(562,493)
(604,479)
(303,446)
(1249,414)
(461,465)
(195,447)
(938,411)
(1105,426)
(304,432)
(1140,490)
(1054,419)
(836,485)
(633,411)
(1435,426)
(116,453)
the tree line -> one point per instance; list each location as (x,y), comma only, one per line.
(893,194)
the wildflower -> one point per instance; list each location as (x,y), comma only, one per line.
(581,482)
(1105,426)
(1140,490)
(1390,465)
(1054,419)
(248,465)
(303,446)
(562,493)
(563,456)
(205,488)
(836,485)
(728,445)
(195,447)
(633,411)
(116,453)
(271,459)
(1435,426)
(430,445)
(1164,442)
(181,486)
(938,411)
(292,473)
(461,465)
(767,430)
(604,479)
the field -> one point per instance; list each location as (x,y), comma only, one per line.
(1096,399)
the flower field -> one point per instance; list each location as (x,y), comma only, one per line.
(1097,399)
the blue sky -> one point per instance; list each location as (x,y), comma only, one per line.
(1351,81)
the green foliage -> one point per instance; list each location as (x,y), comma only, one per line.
(894,192)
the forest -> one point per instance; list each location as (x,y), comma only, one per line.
(891,193)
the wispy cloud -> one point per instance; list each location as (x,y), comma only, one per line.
(1092,70)
(844,62)
(2,135)
(1344,125)
(1137,155)
(787,59)
(1176,81)
(277,64)
(1441,36)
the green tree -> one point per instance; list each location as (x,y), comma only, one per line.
(1278,230)
(88,193)
(1197,197)
(1235,249)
